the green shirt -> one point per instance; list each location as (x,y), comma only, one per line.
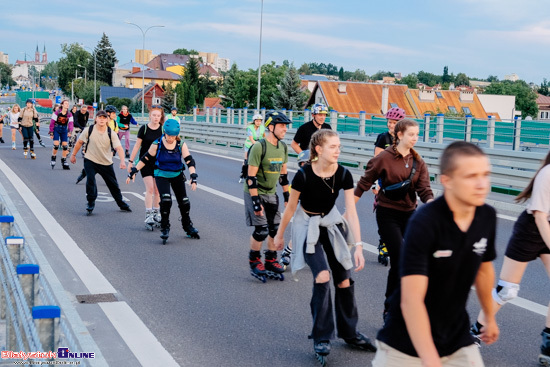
(270,168)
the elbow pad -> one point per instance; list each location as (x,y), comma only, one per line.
(252,182)
(189,161)
(283,179)
(147,158)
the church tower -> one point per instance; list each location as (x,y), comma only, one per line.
(44,55)
(37,54)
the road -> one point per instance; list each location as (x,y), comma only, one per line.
(197,297)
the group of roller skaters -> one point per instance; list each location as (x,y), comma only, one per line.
(435,253)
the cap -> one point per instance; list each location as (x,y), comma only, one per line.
(101,113)
(173,109)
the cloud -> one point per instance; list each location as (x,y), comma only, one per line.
(537,33)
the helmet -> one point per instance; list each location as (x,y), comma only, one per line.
(110,108)
(29,101)
(171,127)
(319,108)
(257,117)
(303,157)
(395,113)
(276,117)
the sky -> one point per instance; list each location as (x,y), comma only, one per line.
(475,37)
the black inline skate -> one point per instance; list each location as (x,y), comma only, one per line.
(322,350)
(52,162)
(383,256)
(475,331)
(544,356)
(65,164)
(90,208)
(257,269)
(285,257)
(164,234)
(361,342)
(191,231)
(273,269)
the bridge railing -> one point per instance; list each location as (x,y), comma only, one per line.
(511,170)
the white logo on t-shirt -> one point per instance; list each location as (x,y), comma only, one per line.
(480,246)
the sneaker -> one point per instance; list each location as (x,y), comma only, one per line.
(127,154)
(41,144)
(2,140)
(125,208)
(13,145)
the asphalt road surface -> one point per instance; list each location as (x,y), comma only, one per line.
(197,296)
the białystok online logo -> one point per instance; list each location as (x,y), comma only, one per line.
(66,353)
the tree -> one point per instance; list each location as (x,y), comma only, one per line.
(525,96)
(86,90)
(67,65)
(50,75)
(106,59)
(410,80)
(428,78)
(5,75)
(381,74)
(544,88)
(290,94)
(135,106)
(462,79)
(304,69)
(492,78)
(119,102)
(341,74)
(168,100)
(446,78)
(184,51)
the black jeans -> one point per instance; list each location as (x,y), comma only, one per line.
(391,226)
(108,175)
(178,186)
(321,299)
(28,139)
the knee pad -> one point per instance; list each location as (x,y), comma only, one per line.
(55,147)
(260,233)
(505,291)
(186,204)
(273,231)
(166,202)
(65,147)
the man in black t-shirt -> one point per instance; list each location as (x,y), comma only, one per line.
(304,132)
(81,117)
(448,246)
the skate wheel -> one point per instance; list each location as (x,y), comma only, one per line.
(544,360)
(164,241)
(282,277)
(89,212)
(259,277)
(322,359)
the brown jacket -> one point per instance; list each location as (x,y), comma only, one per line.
(27,115)
(389,165)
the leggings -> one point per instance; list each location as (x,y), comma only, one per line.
(178,186)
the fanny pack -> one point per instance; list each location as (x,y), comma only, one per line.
(399,190)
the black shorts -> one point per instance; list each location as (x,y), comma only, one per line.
(147,170)
(526,244)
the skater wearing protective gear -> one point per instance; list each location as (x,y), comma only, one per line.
(123,122)
(173,115)
(147,134)
(28,117)
(98,159)
(112,113)
(168,154)
(267,162)
(303,135)
(405,175)
(383,141)
(449,246)
(61,128)
(254,132)
(530,240)
(321,238)
(13,118)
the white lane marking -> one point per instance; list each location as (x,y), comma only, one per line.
(530,305)
(123,318)
(136,335)
(86,270)
(507,217)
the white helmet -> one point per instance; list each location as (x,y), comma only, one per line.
(257,117)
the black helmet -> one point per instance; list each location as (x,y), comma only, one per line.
(29,101)
(276,117)
(110,108)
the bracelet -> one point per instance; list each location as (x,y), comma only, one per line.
(360,243)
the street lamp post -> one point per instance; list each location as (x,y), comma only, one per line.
(260,58)
(143,69)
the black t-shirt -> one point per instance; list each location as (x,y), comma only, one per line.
(147,136)
(81,119)
(383,140)
(304,133)
(316,193)
(434,246)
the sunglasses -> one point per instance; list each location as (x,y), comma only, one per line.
(157,107)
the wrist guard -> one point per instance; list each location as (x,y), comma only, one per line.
(133,172)
(194,177)
(252,182)
(256,203)
(189,161)
(283,179)
(286,195)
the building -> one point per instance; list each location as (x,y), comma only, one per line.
(309,81)
(213,103)
(143,56)
(499,105)
(39,63)
(4,58)
(153,95)
(178,63)
(376,99)
(162,77)
(512,77)
(119,71)
(543,102)
(223,64)
(106,92)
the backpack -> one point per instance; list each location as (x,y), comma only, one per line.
(244,168)
(90,129)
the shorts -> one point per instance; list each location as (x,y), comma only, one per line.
(271,217)
(147,170)
(14,127)
(526,244)
(60,133)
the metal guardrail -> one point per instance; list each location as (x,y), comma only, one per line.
(34,322)
(511,170)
